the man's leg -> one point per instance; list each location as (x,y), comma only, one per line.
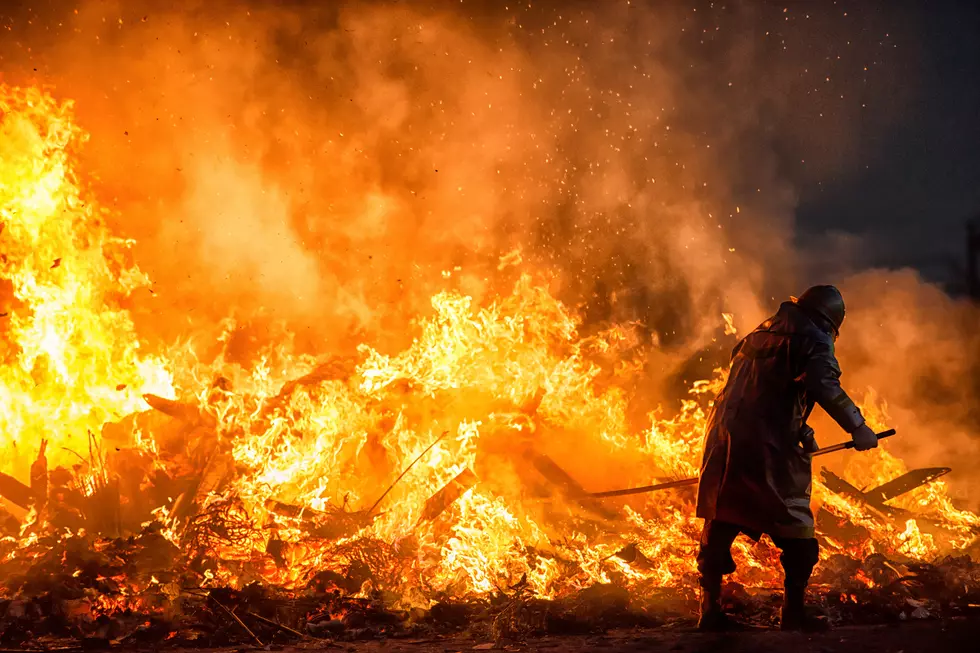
(714,561)
(799,557)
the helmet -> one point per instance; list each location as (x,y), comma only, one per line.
(824,302)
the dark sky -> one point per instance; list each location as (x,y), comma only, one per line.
(916,184)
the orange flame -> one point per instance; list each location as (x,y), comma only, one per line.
(325,437)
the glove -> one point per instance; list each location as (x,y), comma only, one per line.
(864,438)
(808,439)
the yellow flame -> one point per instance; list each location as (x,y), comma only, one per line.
(71,358)
(301,448)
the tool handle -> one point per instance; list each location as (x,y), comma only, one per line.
(646,488)
(849,445)
(694,481)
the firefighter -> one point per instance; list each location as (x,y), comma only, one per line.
(755,473)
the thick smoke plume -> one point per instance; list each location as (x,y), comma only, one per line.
(328,163)
(330,167)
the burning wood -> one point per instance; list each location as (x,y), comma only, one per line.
(186,413)
(218,471)
(39,478)
(448,495)
(279,497)
(563,482)
(876,497)
(16,492)
(904,484)
(331,525)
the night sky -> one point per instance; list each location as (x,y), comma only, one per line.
(917,184)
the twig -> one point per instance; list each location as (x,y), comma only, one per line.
(199,592)
(240,622)
(277,625)
(400,476)
(80,456)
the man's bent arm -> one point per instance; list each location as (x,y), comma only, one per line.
(822,379)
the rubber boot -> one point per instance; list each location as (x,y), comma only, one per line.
(712,618)
(796,616)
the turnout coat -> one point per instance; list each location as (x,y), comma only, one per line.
(756,471)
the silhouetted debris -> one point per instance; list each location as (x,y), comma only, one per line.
(80,589)
(16,492)
(449,493)
(70,580)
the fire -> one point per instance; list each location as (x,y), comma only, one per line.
(71,359)
(293,455)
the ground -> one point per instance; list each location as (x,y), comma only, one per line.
(961,634)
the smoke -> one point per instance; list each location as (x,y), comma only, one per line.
(917,349)
(327,163)
(333,166)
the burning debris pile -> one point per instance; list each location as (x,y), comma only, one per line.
(160,497)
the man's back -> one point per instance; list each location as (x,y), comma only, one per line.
(755,476)
(768,367)
(755,471)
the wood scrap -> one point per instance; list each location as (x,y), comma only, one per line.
(565,484)
(102,510)
(219,468)
(184,412)
(905,483)
(406,470)
(292,511)
(276,549)
(278,625)
(9,525)
(39,477)
(241,623)
(337,368)
(16,492)
(449,493)
(632,555)
(328,525)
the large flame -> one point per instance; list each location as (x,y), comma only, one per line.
(71,359)
(296,452)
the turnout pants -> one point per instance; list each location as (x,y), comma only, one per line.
(798,556)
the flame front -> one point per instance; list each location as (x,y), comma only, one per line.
(294,454)
(71,357)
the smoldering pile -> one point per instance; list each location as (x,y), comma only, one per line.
(87,592)
(96,564)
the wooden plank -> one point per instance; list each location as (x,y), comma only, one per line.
(449,493)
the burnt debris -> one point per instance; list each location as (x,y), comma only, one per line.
(90,563)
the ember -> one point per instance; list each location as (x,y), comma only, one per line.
(160,497)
